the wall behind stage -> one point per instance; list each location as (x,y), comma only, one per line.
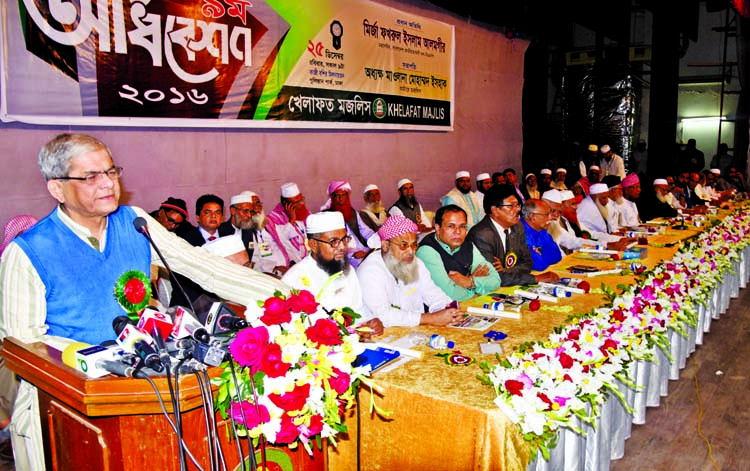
(186,163)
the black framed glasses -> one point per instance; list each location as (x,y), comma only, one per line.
(92,178)
(511,206)
(335,243)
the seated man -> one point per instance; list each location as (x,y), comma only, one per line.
(530,190)
(498,178)
(408,206)
(593,213)
(45,296)
(374,213)
(615,217)
(536,217)
(510,178)
(565,231)
(173,215)
(559,183)
(286,224)
(396,286)
(655,204)
(209,212)
(464,198)
(339,192)
(501,239)
(454,263)
(484,183)
(326,271)
(631,191)
(545,180)
(248,219)
(675,197)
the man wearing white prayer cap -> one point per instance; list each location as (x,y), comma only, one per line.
(374,213)
(248,220)
(231,248)
(286,224)
(592,213)
(339,199)
(462,196)
(559,182)
(326,271)
(545,180)
(656,204)
(611,163)
(484,183)
(407,205)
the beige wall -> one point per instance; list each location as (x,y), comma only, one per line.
(186,163)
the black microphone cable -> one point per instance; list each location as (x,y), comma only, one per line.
(250,446)
(175,394)
(182,443)
(209,408)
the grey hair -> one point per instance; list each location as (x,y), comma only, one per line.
(54,158)
(529,207)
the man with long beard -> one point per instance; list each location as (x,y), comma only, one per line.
(339,192)
(286,224)
(326,271)
(407,205)
(593,213)
(656,204)
(615,219)
(464,198)
(396,285)
(374,213)
(249,220)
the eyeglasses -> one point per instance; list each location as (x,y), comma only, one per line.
(171,220)
(334,243)
(403,245)
(511,206)
(92,178)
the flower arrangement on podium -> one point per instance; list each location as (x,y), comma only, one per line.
(292,376)
(561,382)
(133,291)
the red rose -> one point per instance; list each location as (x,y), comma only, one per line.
(618,315)
(249,414)
(324,332)
(565,360)
(304,301)
(247,348)
(534,305)
(271,363)
(315,427)
(514,387)
(288,433)
(134,291)
(275,311)
(293,400)
(340,381)
(574,334)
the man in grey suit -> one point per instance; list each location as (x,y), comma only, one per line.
(501,238)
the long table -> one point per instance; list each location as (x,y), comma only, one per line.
(444,418)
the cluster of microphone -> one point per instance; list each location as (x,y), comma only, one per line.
(176,340)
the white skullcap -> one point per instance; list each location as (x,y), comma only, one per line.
(553,196)
(371,187)
(598,188)
(561,170)
(402,182)
(529,175)
(661,181)
(289,190)
(324,222)
(462,174)
(545,171)
(225,246)
(483,176)
(595,167)
(566,195)
(716,171)
(244,197)
(605,148)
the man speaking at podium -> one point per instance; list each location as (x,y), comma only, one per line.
(57,279)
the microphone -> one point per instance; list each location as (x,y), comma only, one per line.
(132,339)
(155,323)
(141,225)
(186,325)
(221,319)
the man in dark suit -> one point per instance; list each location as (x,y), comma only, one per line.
(209,211)
(501,238)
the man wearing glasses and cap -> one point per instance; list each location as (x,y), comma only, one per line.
(57,278)
(173,215)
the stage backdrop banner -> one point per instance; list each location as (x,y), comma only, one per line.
(225,63)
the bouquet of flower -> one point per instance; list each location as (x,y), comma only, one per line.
(292,377)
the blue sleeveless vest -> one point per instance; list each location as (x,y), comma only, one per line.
(80,280)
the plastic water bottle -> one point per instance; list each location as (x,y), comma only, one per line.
(438,342)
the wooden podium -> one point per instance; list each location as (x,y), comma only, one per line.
(115,424)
